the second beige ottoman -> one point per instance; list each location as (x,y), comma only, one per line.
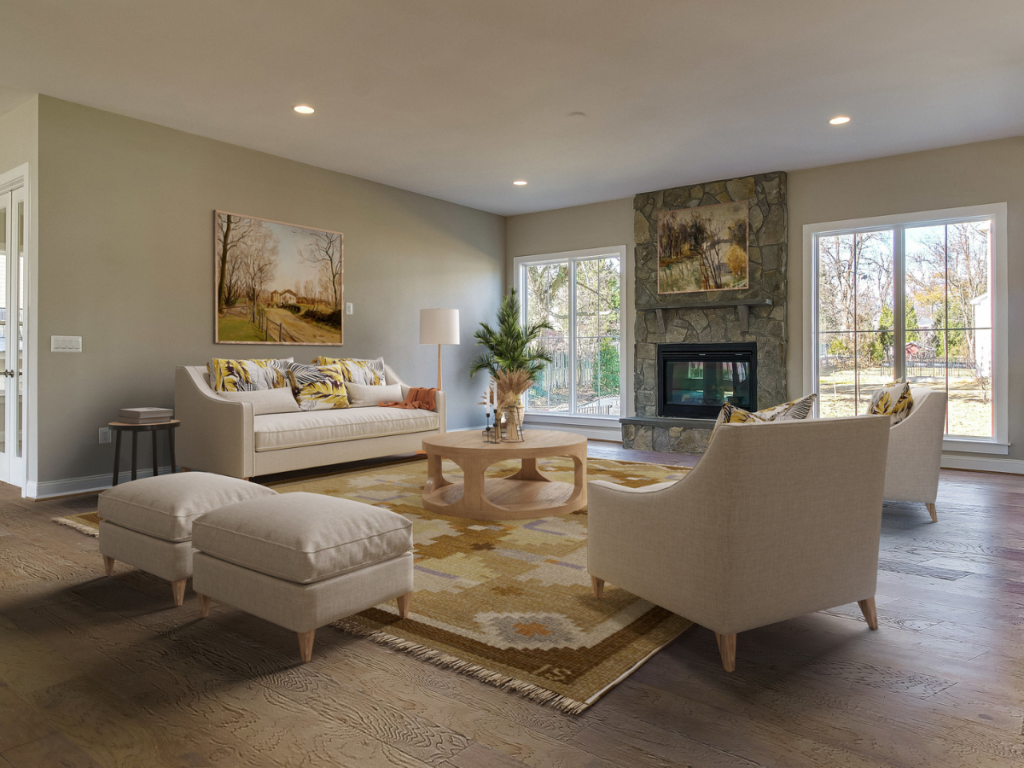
(302,560)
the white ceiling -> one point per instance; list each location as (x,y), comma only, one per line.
(456,98)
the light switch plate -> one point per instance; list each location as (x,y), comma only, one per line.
(65,343)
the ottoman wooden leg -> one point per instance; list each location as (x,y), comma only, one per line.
(306,645)
(178,590)
(403,604)
(108,565)
(204,605)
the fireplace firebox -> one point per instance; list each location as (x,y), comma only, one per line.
(696,380)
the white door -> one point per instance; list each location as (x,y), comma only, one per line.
(12,317)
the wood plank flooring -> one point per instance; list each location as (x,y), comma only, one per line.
(98,671)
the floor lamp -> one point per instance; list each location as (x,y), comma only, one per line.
(439,326)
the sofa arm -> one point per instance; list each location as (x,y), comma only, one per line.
(215,435)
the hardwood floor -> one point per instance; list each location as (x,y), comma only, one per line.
(98,671)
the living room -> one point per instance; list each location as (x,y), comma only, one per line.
(706,213)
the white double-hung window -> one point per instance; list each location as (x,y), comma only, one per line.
(918,298)
(580,295)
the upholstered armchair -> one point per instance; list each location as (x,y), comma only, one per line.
(776,520)
(915,451)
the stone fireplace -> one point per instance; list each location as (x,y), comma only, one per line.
(696,380)
(753,318)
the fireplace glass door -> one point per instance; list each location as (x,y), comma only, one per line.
(696,380)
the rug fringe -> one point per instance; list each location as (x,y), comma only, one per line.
(88,530)
(447,661)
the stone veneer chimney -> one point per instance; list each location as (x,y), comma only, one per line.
(705,317)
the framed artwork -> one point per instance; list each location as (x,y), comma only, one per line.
(704,248)
(276,283)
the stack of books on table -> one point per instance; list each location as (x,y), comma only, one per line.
(144,415)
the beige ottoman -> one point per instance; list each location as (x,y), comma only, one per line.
(302,560)
(148,523)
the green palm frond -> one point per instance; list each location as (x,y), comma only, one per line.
(511,346)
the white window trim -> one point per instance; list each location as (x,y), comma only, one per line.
(625,329)
(999,442)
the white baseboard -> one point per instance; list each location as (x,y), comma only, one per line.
(47,489)
(983,464)
(612,434)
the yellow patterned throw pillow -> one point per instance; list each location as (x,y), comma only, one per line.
(370,372)
(794,409)
(318,387)
(247,375)
(894,401)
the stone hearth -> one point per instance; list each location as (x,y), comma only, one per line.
(695,318)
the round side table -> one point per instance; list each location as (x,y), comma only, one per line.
(120,426)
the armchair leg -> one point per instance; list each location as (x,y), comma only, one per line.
(598,585)
(727,647)
(867,607)
(932,512)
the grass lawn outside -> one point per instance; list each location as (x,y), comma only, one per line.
(969,411)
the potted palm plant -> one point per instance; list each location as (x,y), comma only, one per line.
(513,358)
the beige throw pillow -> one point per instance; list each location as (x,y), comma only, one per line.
(280,400)
(367,395)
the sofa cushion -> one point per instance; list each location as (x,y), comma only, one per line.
(280,400)
(293,430)
(368,395)
(165,506)
(359,371)
(894,401)
(302,537)
(318,387)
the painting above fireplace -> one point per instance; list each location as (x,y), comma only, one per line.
(696,380)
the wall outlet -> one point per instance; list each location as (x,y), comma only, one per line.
(65,343)
(348,308)
(104,435)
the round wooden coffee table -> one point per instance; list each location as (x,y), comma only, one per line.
(525,494)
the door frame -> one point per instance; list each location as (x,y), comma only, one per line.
(20,178)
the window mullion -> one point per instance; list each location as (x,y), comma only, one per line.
(572,336)
(899,307)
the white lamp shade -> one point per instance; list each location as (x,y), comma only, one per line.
(439,326)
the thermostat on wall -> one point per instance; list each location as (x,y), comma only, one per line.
(65,343)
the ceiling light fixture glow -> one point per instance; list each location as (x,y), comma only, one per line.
(519,182)
(839,120)
(304,109)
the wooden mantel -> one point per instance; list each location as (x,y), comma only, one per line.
(742,309)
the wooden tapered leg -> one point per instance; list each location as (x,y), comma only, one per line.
(867,607)
(178,590)
(727,648)
(404,601)
(204,605)
(108,565)
(598,585)
(306,645)
(932,512)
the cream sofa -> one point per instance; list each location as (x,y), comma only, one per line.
(777,520)
(228,438)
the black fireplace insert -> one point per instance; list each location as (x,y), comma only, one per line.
(696,380)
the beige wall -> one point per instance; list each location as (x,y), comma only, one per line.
(972,174)
(126,262)
(600,225)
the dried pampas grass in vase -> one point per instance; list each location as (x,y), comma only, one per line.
(511,386)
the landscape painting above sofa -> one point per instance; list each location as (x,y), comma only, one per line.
(276,283)
(703,248)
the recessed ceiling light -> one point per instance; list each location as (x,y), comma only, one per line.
(839,120)
(577,114)
(304,109)
(520,182)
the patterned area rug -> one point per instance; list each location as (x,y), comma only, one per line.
(509,603)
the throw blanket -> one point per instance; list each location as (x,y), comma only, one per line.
(418,397)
